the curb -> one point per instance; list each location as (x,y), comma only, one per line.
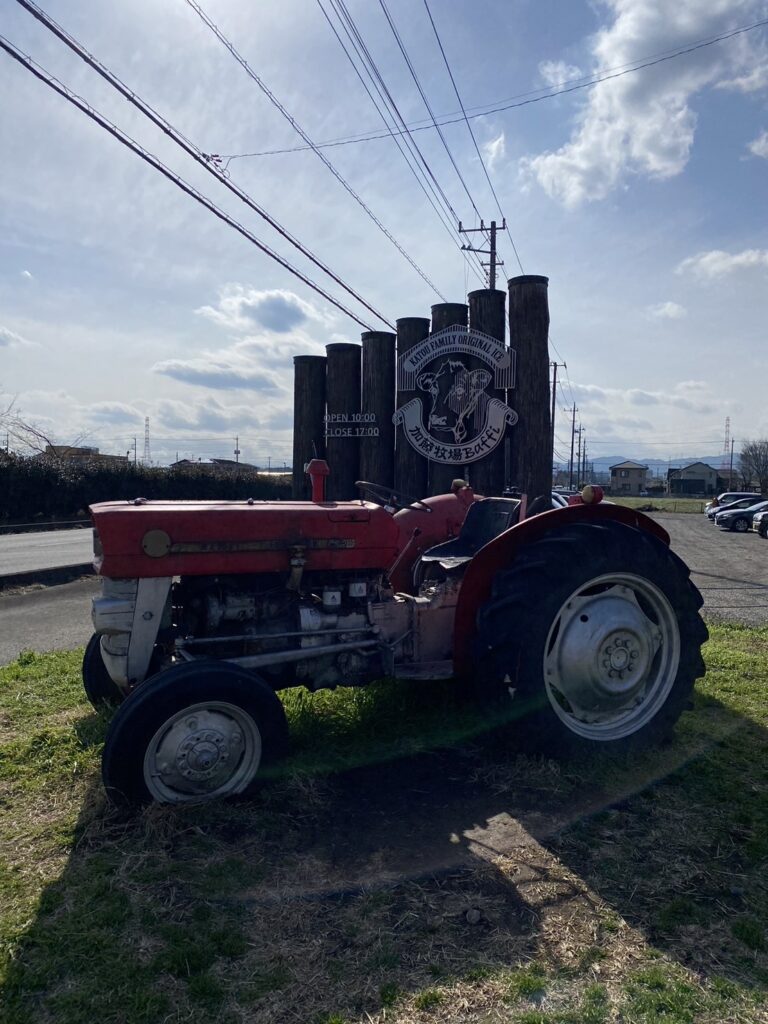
(47,577)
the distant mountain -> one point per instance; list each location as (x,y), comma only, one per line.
(656,466)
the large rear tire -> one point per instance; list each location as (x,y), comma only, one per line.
(193,733)
(592,640)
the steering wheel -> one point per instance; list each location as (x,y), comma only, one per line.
(386,496)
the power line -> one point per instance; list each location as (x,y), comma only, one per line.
(297,127)
(572,85)
(368,62)
(205,160)
(415,77)
(411,161)
(472,134)
(117,133)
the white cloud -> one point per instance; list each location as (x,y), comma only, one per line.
(208,415)
(642,123)
(494,150)
(717,263)
(753,81)
(667,311)
(26,275)
(688,395)
(113,412)
(10,338)
(216,373)
(241,309)
(557,72)
(759,146)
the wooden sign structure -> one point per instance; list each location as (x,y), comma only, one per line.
(444,398)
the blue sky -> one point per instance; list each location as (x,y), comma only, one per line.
(643,199)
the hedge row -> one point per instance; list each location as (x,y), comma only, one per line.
(41,487)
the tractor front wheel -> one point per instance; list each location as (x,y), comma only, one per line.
(193,733)
(592,639)
(97,682)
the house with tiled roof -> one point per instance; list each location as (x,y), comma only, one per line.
(628,477)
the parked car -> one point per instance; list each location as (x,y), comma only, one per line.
(728,496)
(760,524)
(739,519)
(741,503)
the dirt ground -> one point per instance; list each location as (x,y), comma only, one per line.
(730,569)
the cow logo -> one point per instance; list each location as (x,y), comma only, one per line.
(458,421)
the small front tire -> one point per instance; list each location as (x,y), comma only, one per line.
(194,733)
(99,687)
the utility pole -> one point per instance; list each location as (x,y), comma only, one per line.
(554,404)
(583,473)
(578,458)
(237,448)
(573,438)
(730,471)
(135,452)
(494,261)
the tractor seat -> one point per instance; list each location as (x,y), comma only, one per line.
(485,520)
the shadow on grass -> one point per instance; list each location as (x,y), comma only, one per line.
(412,883)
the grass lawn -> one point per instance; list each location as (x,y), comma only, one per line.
(439,877)
(663,504)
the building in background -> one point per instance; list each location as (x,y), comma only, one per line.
(80,455)
(696,480)
(628,478)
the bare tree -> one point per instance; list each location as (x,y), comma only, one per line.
(754,463)
(6,414)
(32,439)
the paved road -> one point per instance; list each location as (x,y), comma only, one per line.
(730,569)
(46,618)
(26,552)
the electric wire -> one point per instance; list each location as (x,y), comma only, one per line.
(204,159)
(423,183)
(571,85)
(471,132)
(369,63)
(297,127)
(438,129)
(39,72)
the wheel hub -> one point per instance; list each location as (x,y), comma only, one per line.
(601,654)
(200,754)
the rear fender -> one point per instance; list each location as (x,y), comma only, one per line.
(502,551)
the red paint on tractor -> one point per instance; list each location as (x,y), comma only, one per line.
(211,538)
(442,523)
(317,470)
(501,552)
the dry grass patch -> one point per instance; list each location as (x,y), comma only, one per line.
(462,884)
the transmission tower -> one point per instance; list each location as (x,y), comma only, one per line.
(147,458)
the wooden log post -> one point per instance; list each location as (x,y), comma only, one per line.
(342,446)
(308,419)
(445,314)
(530,456)
(487,312)
(377,440)
(410,465)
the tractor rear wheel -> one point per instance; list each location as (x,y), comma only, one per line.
(97,682)
(592,639)
(193,733)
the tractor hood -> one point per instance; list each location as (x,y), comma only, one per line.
(141,538)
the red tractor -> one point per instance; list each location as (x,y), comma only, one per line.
(580,621)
